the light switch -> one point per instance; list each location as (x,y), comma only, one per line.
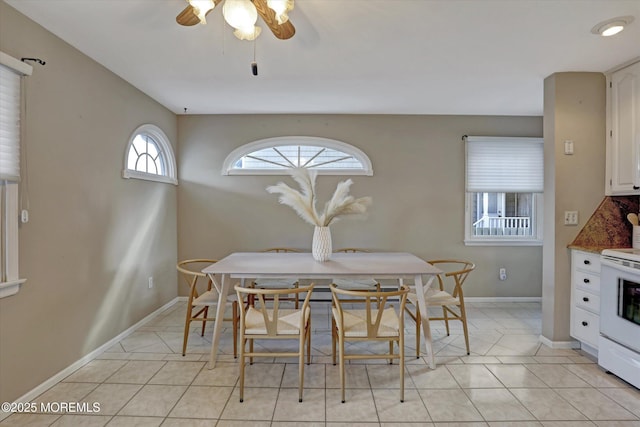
(568,147)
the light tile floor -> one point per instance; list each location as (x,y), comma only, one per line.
(510,379)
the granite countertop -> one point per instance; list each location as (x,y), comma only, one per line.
(608,226)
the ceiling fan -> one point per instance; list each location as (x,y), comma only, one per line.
(242,16)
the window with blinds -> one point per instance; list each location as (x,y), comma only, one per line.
(11,71)
(504,187)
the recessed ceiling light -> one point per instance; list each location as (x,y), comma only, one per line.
(612,26)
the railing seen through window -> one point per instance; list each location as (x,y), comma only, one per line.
(502,214)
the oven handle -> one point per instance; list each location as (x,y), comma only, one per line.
(612,264)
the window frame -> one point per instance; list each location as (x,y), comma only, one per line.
(238,153)
(10,280)
(166,153)
(536,239)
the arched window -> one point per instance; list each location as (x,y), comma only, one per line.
(274,156)
(149,156)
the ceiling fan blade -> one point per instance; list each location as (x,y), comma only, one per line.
(284,31)
(188,16)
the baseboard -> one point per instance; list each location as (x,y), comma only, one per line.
(38,390)
(593,352)
(502,299)
(559,344)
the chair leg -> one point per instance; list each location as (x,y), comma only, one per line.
(308,337)
(446,318)
(204,322)
(401,352)
(341,343)
(236,318)
(250,351)
(187,324)
(301,346)
(391,352)
(463,318)
(418,332)
(334,338)
(243,342)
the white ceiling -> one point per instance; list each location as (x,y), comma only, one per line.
(348,56)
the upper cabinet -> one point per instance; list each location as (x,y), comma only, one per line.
(623,131)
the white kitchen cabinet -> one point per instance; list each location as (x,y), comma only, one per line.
(585,298)
(623,131)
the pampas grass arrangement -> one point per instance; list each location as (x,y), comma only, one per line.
(304,201)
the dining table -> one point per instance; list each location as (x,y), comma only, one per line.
(244,266)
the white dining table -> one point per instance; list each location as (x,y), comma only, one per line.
(360,265)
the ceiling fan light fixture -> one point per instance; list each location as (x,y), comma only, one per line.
(612,26)
(251,33)
(201,7)
(240,14)
(281,9)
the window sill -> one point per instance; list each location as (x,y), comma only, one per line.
(149,177)
(502,242)
(10,288)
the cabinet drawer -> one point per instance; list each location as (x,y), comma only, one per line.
(586,261)
(587,281)
(586,327)
(586,300)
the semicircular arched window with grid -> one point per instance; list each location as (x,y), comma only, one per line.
(274,156)
(149,156)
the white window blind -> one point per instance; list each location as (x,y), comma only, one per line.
(9,124)
(509,165)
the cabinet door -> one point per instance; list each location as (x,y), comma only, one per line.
(624,131)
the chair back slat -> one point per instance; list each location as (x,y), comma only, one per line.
(271,315)
(191,271)
(457,269)
(373,327)
(373,315)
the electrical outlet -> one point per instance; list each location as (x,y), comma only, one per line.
(503,274)
(150,282)
(570,217)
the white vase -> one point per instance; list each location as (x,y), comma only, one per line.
(321,246)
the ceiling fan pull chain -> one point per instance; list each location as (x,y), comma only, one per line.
(254,64)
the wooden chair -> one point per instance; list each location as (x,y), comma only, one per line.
(382,323)
(278,283)
(201,299)
(367,284)
(274,323)
(455,272)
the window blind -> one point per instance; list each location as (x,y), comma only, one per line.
(504,165)
(9,124)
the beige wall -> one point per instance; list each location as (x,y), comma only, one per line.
(574,109)
(93,237)
(417,190)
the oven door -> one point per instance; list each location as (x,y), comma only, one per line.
(620,304)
